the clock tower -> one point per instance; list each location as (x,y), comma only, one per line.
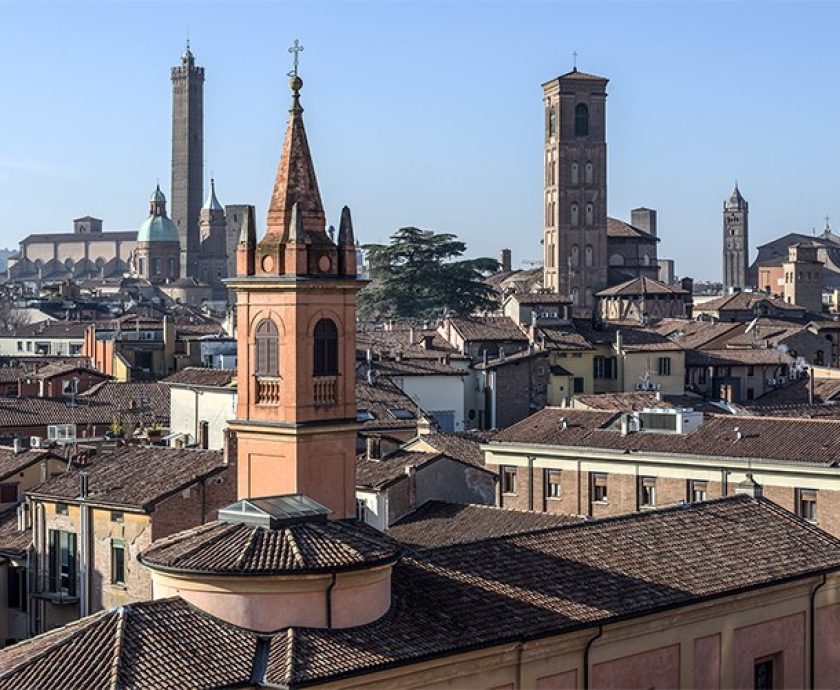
(736,246)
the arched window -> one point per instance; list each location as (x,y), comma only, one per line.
(575,216)
(574,259)
(326,349)
(268,349)
(589,169)
(575,296)
(589,297)
(587,255)
(590,214)
(581,120)
(575,176)
(552,119)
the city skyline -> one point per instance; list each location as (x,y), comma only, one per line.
(446,132)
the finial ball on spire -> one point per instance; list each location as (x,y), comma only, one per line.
(295,83)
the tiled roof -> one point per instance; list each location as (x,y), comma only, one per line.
(13,542)
(60,368)
(106,236)
(510,360)
(635,336)
(416,367)
(642,286)
(157,645)
(227,548)
(565,578)
(800,441)
(584,76)
(462,445)
(449,600)
(736,356)
(739,301)
(378,399)
(135,477)
(11,463)
(203,376)
(408,342)
(38,412)
(634,402)
(795,393)
(491,328)
(694,334)
(50,329)
(143,398)
(379,474)
(618,228)
(562,338)
(437,523)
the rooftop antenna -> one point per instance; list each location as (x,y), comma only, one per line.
(574,61)
(296,49)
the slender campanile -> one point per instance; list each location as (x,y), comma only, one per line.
(296,330)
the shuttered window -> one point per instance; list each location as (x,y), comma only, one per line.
(326,348)
(268,349)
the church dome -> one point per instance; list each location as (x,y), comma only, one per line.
(157,227)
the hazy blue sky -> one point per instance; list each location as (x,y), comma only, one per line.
(428,114)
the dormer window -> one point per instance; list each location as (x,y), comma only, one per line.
(400,413)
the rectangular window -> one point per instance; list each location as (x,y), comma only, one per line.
(155,267)
(62,562)
(16,588)
(750,394)
(117,516)
(8,493)
(664,366)
(117,562)
(647,492)
(578,384)
(750,370)
(599,487)
(604,367)
(697,490)
(20,345)
(763,672)
(508,480)
(61,509)
(701,376)
(552,484)
(806,504)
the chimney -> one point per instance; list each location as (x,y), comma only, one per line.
(505,261)
(738,434)
(749,487)
(563,424)
(83,484)
(428,341)
(229,450)
(425,426)
(644,219)
(625,424)
(411,335)
(619,342)
(811,387)
(17,446)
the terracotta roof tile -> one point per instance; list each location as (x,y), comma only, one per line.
(642,286)
(491,328)
(437,523)
(462,445)
(13,542)
(134,476)
(228,548)
(378,474)
(203,376)
(813,442)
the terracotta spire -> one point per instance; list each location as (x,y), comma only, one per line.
(295,181)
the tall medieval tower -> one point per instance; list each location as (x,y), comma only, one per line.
(187,157)
(736,244)
(296,335)
(575,231)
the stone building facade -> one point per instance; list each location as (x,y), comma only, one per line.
(803,277)
(736,241)
(213,260)
(187,158)
(575,158)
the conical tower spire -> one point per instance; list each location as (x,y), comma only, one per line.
(295,181)
(212,203)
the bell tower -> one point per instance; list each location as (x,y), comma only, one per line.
(296,332)
(736,240)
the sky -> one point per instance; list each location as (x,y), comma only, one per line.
(427,113)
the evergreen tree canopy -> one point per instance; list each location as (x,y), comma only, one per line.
(419,276)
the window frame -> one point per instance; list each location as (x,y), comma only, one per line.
(581,120)
(806,497)
(553,489)
(507,480)
(599,487)
(663,366)
(267,349)
(647,488)
(695,486)
(118,565)
(325,354)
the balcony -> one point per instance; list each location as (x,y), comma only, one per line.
(268,390)
(326,390)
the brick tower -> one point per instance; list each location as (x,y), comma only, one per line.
(187,157)
(296,315)
(575,231)
(213,260)
(736,240)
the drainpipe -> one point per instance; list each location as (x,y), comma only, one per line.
(586,656)
(813,626)
(530,482)
(84,547)
(329,599)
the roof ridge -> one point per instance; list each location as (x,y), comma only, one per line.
(118,647)
(291,538)
(249,548)
(171,539)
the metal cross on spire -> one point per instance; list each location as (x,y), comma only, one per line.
(574,59)
(296,49)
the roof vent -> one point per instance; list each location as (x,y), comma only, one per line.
(273,512)
(738,434)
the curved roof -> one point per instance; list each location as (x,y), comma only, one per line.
(229,548)
(157,229)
